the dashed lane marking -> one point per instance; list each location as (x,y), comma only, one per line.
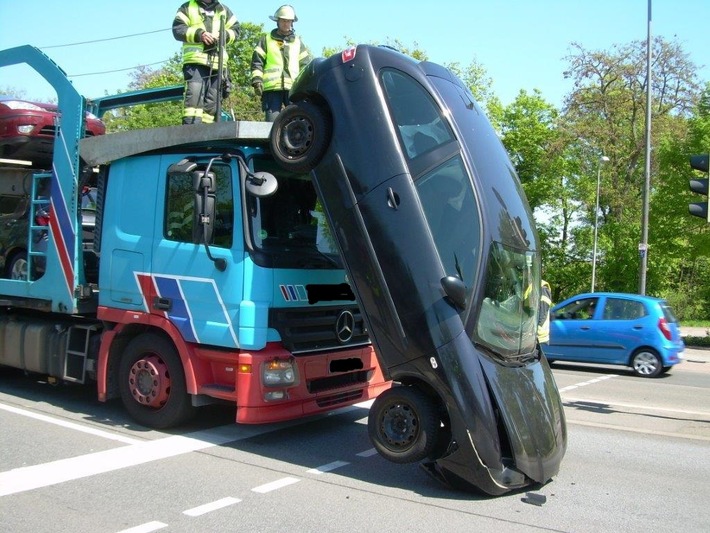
(275,485)
(327,468)
(590,382)
(213,506)
(145,528)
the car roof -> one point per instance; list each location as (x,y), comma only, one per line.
(631,296)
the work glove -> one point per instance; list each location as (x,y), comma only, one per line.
(258,88)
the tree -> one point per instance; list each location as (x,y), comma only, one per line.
(606,113)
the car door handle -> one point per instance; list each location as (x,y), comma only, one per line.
(585,328)
(637,327)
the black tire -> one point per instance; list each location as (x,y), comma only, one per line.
(404,425)
(646,363)
(17,267)
(152,383)
(300,136)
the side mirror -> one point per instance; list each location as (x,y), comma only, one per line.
(203,225)
(261,184)
(455,290)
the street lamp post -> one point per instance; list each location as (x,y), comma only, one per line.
(602,159)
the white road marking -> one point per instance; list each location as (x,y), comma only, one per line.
(590,382)
(70,425)
(213,506)
(145,528)
(367,453)
(275,485)
(43,475)
(327,468)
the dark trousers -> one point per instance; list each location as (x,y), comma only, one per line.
(201,85)
(272,102)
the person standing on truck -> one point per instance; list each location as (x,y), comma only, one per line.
(198,24)
(277,59)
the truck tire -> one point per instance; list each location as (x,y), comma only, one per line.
(300,136)
(404,425)
(152,383)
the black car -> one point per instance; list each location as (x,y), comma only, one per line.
(443,257)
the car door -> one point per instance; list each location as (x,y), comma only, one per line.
(575,332)
(622,328)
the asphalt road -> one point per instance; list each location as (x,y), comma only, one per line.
(636,462)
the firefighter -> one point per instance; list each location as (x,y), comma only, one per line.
(543,323)
(276,61)
(198,24)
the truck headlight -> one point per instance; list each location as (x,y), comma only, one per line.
(278,373)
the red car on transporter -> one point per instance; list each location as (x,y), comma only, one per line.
(28,129)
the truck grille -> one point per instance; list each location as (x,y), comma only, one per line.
(319,328)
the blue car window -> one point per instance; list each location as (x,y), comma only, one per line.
(582,309)
(622,309)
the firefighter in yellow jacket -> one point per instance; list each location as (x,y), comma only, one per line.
(276,61)
(198,24)
(543,323)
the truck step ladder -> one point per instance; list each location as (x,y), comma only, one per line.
(75,363)
(37,232)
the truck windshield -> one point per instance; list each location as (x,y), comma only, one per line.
(288,229)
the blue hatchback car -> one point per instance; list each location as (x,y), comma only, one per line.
(616,329)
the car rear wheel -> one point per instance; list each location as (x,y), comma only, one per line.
(300,136)
(17,266)
(646,363)
(404,425)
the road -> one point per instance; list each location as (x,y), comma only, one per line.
(636,461)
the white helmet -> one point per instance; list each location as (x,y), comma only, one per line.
(285,12)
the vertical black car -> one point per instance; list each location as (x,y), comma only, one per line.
(443,257)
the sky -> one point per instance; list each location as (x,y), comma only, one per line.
(520,43)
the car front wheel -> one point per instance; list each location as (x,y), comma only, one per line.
(404,425)
(300,136)
(646,363)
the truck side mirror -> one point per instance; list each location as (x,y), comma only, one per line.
(205,199)
(261,184)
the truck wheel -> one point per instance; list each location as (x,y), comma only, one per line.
(300,136)
(404,425)
(17,266)
(152,383)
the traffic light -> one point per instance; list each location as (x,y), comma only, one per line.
(701,186)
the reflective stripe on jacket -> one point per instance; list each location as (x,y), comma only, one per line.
(543,328)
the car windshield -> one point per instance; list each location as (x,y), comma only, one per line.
(507,322)
(289,229)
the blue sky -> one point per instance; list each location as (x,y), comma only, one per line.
(520,43)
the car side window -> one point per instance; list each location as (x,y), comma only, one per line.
(418,119)
(578,310)
(620,309)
